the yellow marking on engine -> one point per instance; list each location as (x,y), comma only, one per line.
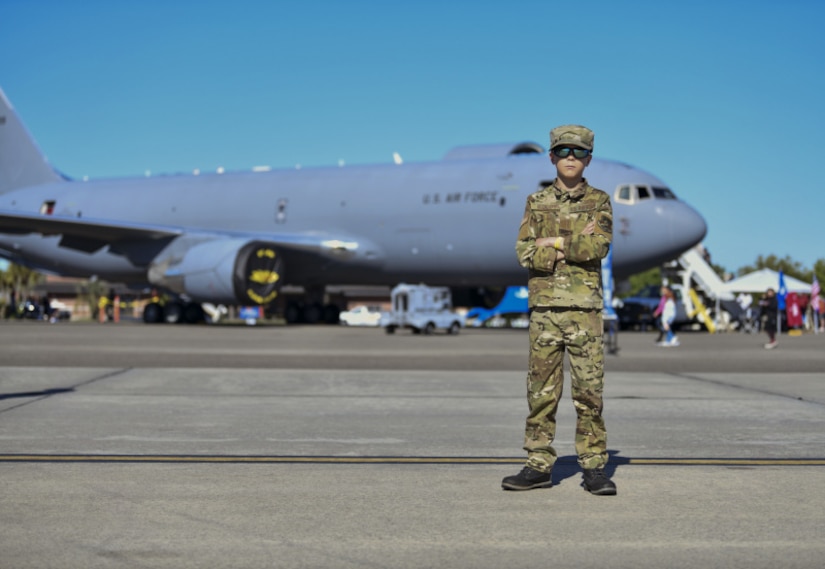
(262,276)
(261,300)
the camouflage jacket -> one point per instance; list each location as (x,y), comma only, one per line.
(575,281)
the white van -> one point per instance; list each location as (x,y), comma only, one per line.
(423,309)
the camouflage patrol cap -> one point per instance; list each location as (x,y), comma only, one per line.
(571,135)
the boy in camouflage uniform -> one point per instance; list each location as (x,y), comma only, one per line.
(566,230)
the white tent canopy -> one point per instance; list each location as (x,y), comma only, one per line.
(762,280)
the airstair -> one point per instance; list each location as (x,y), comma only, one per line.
(697,271)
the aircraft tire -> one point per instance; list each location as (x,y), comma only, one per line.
(152,313)
(292,313)
(173,313)
(331,314)
(390,329)
(193,313)
(313,313)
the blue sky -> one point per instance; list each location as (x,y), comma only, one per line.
(720,99)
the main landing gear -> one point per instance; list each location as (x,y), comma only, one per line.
(298,312)
(173,312)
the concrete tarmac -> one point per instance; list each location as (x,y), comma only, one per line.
(192,446)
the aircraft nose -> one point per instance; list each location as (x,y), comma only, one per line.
(686,227)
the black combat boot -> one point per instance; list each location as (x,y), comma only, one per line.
(596,482)
(527,479)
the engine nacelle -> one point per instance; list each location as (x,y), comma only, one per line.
(222,271)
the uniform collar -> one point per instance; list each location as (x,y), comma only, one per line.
(574,194)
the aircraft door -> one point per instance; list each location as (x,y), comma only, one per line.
(280,210)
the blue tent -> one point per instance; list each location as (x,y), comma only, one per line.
(514,301)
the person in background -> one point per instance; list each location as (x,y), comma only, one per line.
(769,308)
(657,314)
(745,301)
(668,316)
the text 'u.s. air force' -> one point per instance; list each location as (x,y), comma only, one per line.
(461,197)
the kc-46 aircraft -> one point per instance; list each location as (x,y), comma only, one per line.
(237,238)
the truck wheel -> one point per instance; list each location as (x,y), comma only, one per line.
(429,328)
(454,328)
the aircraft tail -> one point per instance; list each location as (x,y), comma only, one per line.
(21,162)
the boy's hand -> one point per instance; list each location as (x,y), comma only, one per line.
(550,242)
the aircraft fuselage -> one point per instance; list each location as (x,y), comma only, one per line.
(452,222)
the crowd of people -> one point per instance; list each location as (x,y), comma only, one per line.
(799,311)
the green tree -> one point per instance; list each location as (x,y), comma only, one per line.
(19,279)
(90,291)
(641,280)
(787,265)
(819,271)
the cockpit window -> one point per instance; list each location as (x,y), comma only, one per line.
(633,193)
(624,194)
(664,193)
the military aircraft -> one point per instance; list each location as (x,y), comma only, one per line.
(238,238)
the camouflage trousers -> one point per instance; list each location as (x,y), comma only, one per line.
(579,332)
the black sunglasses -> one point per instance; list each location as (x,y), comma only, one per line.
(564,152)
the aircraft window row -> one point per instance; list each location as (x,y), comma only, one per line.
(664,193)
(634,193)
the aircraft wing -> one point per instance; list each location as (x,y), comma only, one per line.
(89,235)
(140,242)
(104,232)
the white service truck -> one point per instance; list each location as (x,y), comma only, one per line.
(423,309)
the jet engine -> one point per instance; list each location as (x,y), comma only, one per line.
(221,271)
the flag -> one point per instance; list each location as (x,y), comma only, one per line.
(607,285)
(783,291)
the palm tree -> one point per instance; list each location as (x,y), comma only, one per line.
(17,280)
